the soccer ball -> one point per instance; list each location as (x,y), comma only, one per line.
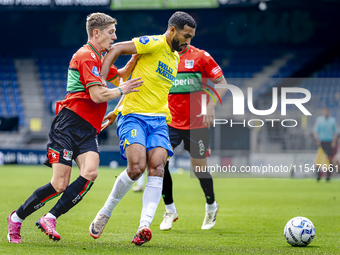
(299,231)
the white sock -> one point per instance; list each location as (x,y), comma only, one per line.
(122,185)
(16,218)
(50,215)
(171,207)
(152,195)
(211,207)
(141,180)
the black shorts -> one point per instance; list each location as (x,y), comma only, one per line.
(70,136)
(196,141)
(327,148)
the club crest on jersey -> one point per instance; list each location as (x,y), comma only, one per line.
(53,155)
(189,64)
(68,155)
(144,40)
(133,133)
(95,71)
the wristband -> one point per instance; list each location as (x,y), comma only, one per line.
(121,92)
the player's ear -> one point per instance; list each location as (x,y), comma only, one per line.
(96,33)
(173,31)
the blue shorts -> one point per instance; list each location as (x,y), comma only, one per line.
(149,131)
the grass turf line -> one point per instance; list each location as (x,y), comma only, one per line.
(252,216)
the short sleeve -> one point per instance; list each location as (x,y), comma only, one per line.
(89,70)
(113,73)
(212,70)
(146,44)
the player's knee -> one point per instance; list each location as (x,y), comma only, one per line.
(59,186)
(135,171)
(157,170)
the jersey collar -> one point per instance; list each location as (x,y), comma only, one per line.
(95,50)
(184,51)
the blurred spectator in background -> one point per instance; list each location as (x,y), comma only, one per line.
(325,134)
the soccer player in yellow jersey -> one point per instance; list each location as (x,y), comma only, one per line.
(143,117)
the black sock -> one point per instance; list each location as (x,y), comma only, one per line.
(167,186)
(72,196)
(318,174)
(328,175)
(207,186)
(37,200)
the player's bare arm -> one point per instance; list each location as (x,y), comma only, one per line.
(123,48)
(126,71)
(209,117)
(100,94)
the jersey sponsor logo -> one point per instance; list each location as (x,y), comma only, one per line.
(216,70)
(95,71)
(165,71)
(133,133)
(68,155)
(207,54)
(189,64)
(53,156)
(186,82)
(144,40)
(183,82)
(92,55)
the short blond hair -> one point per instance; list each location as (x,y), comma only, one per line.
(98,21)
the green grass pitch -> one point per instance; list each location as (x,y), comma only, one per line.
(252,216)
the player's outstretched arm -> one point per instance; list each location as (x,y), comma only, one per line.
(126,71)
(123,48)
(100,94)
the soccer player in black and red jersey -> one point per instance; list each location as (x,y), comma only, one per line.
(195,68)
(74,131)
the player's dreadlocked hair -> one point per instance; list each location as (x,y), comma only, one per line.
(180,19)
(98,21)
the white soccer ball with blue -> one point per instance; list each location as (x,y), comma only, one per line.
(299,231)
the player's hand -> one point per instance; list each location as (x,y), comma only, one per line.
(135,56)
(130,85)
(111,117)
(210,116)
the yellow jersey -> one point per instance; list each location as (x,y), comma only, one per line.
(157,66)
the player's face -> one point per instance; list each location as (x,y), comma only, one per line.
(182,38)
(325,112)
(107,37)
